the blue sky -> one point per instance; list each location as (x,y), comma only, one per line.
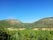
(26,10)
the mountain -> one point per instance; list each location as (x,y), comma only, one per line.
(11,23)
(45,22)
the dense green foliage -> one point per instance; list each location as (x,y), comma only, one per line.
(29,35)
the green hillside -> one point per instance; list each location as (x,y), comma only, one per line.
(45,22)
(11,23)
(6,34)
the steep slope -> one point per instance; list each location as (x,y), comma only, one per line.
(45,22)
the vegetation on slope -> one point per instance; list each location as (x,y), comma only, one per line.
(45,23)
(6,34)
(11,23)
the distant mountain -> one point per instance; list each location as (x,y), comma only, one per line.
(11,23)
(45,22)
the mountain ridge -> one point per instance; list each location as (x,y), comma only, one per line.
(44,22)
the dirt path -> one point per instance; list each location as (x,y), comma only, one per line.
(32,29)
